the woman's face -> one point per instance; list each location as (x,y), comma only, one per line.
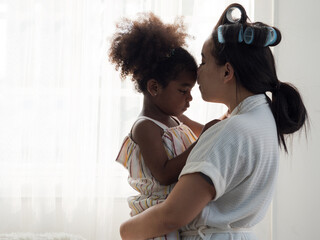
(210,75)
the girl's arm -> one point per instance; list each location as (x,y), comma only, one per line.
(198,128)
(187,199)
(193,125)
(149,138)
(209,124)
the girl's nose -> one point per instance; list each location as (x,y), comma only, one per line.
(189,97)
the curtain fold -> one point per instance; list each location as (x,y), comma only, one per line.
(64,111)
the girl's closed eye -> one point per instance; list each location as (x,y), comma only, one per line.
(202,63)
(183,92)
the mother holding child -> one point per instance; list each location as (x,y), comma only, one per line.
(226,178)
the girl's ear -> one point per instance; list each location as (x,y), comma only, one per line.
(153,87)
(228,72)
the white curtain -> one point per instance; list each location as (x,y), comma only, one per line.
(64,110)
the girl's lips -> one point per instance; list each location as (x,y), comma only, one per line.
(186,107)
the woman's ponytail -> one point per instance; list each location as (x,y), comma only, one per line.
(289,111)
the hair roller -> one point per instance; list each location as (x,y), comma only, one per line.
(230,33)
(220,34)
(271,37)
(234,14)
(257,34)
(248,35)
(276,37)
(240,35)
(261,35)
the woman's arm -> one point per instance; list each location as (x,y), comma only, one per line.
(190,195)
(193,125)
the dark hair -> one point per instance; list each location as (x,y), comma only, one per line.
(254,69)
(149,49)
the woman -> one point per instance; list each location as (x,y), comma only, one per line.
(228,181)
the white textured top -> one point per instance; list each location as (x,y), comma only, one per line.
(240,155)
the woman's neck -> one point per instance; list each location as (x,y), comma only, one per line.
(236,99)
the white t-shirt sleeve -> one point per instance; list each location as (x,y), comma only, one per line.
(218,155)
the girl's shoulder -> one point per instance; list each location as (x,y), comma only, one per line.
(146,131)
(145,128)
(144,121)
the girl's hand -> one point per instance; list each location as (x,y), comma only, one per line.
(209,124)
(193,125)
(224,116)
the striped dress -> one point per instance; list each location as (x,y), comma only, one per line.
(175,141)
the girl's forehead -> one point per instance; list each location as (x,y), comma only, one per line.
(185,78)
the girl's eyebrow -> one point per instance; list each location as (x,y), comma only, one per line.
(185,85)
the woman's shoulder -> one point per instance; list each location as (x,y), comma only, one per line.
(230,131)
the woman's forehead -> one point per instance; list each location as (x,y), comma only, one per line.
(207,47)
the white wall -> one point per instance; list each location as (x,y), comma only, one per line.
(294,212)
(296,207)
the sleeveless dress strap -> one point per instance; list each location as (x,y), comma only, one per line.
(176,119)
(161,125)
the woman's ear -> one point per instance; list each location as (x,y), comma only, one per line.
(228,72)
(153,87)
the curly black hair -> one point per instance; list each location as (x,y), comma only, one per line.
(147,48)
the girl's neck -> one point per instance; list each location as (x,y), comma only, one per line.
(149,109)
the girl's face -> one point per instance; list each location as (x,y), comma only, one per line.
(175,98)
(210,75)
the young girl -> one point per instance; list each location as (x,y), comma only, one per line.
(240,154)
(164,72)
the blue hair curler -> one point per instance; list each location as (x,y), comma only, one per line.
(248,35)
(240,37)
(271,37)
(220,35)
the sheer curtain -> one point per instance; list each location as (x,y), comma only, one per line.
(64,110)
